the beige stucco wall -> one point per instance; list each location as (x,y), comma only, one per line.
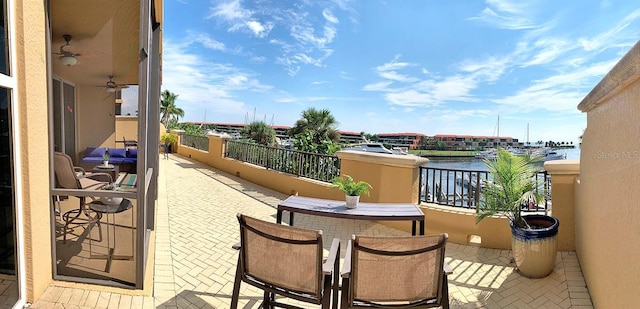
(31,106)
(607,212)
(96,123)
(127,127)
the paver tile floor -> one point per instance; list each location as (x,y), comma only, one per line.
(195,264)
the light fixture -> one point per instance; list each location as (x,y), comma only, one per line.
(68,60)
(110,89)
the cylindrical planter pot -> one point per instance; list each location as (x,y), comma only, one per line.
(352,200)
(535,250)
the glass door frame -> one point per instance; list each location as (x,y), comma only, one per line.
(10,82)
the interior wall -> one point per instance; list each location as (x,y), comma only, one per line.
(126,127)
(607,212)
(96,118)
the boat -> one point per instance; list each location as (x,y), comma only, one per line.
(548,154)
(375,148)
(490,154)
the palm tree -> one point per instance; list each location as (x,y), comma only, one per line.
(168,109)
(259,132)
(320,121)
(512,185)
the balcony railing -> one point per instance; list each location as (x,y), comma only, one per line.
(299,163)
(463,188)
(194,141)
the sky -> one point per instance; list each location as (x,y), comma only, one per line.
(418,66)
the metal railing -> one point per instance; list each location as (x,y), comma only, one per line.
(194,141)
(311,165)
(463,188)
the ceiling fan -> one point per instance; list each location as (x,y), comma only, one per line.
(111,86)
(67,58)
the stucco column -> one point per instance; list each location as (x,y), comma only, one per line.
(217,145)
(394,178)
(178,143)
(564,174)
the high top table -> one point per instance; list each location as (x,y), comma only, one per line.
(364,211)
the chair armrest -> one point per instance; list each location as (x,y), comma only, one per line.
(236,246)
(334,252)
(447,269)
(346,267)
(99,175)
(79,169)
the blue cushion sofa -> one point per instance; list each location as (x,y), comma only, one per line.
(116,155)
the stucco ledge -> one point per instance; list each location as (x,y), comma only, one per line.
(563,167)
(408,161)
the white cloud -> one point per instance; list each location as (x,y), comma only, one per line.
(329,16)
(549,49)
(311,27)
(505,14)
(560,92)
(230,11)
(258,29)
(380,86)
(205,85)
(209,42)
(392,75)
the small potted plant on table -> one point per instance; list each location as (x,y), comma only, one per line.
(351,189)
(512,187)
(105,158)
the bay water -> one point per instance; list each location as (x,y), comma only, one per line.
(473,164)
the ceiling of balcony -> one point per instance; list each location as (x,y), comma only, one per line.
(104,33)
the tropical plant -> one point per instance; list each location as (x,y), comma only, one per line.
(168,138)
(169,112)
(191,128)
(511,186)
(346,184)
(305,142)
(259,132)
(320,121)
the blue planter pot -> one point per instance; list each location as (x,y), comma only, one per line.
(535,250)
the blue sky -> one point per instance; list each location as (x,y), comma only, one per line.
(424,66)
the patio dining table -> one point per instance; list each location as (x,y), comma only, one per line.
(364,211)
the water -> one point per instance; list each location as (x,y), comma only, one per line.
(473,164)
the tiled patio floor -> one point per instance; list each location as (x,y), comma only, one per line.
(195,264)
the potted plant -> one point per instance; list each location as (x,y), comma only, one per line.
(351,189)
(111,200)
(105,158)
(511,187)
(168,139)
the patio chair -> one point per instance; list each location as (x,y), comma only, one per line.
(129,143)
(395,272)
(73,177)
(286,261)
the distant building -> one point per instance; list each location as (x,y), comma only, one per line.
(350,137)
(402,140)
(470,142)
(235,128)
